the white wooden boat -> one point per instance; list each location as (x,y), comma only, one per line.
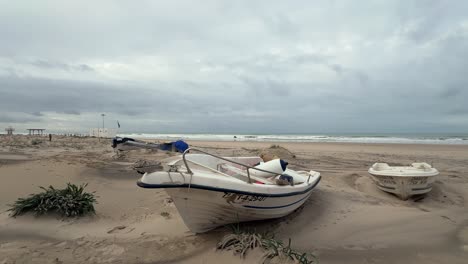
(404,181)
(210,191)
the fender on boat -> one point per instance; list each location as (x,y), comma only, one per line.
(278,166)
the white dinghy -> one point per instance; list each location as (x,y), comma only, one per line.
(404,181)
(210,191)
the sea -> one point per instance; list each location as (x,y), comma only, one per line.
(451,139)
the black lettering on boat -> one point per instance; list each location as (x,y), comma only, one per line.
(240,198)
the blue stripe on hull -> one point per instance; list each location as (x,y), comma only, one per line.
(216,189)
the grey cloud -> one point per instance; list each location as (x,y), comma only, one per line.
(71,112)
(42,95)
(37,114)
(426,20)
(271,60)
(61,66)
(84,67)
(310,58)
(458,111)
(47,64)
(271,66)
(362,78)
(451,92)
(227,111)
(281,24)
(15,118)
(264,87)
(337,68)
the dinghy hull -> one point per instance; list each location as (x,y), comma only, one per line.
(404,182)
(404,187)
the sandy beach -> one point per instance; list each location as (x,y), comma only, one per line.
(346,219)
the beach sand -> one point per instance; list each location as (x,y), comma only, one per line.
(346,219)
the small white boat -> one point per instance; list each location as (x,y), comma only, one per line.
(210,191)
(404,181)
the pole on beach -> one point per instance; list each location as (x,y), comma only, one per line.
(103,115)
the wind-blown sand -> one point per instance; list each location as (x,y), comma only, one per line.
(346,219)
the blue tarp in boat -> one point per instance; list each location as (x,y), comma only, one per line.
(179,146)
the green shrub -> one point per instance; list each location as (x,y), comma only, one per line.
(166,215)
(241,241)
(36,141)
(71,201)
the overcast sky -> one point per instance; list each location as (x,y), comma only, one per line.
(235,66)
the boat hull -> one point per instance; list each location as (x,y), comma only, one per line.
(404,187)
(207,197)
(203,210)
(404,181)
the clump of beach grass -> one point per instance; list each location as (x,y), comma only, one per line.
(36,141)
(166,215)
(274,250)
(70,202)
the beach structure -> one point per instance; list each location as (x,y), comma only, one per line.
(404,181)
(36,131)
(211,191)
(9,130)
(103,132)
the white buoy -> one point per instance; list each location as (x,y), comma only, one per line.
(277,166)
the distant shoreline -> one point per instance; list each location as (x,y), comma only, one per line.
(288,138)
(431,140)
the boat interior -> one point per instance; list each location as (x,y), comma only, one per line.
(240,172)
(421,166)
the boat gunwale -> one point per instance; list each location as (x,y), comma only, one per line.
(399,174)
(218,189)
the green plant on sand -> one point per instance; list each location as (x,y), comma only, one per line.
(166,215)
(36,141)
(70,201)
(241,241)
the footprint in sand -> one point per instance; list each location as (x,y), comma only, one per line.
(112,250)
(116,229)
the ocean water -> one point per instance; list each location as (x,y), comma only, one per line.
(387,138)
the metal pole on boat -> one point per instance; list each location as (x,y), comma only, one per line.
(185,161)
(248,175)
(216,156)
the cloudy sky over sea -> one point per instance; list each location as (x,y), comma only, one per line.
(235,66)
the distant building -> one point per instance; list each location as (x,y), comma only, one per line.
(103,132)
(34,131)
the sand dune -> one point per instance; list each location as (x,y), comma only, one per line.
(347,219)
